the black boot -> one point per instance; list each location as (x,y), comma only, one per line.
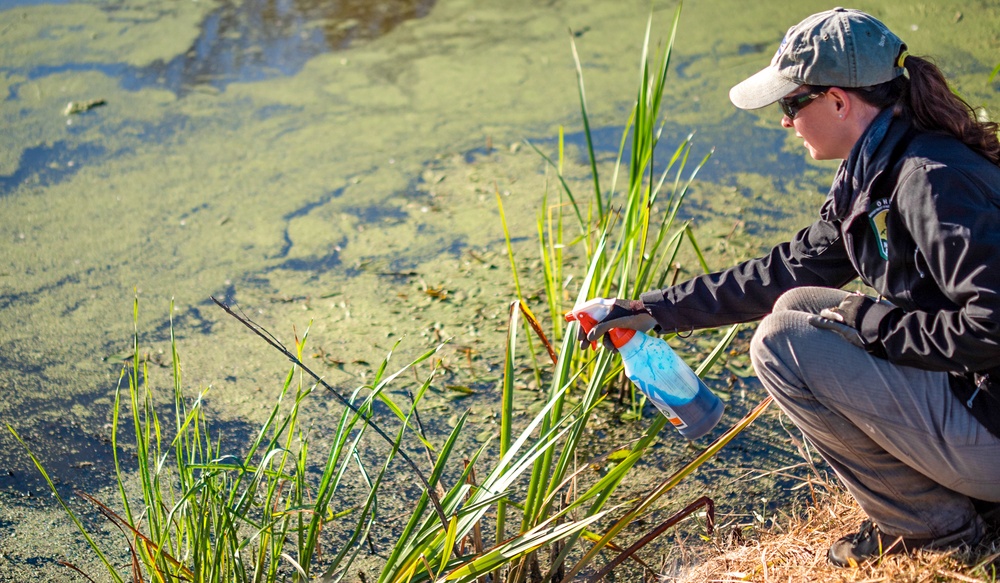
(869,542)
(990,511)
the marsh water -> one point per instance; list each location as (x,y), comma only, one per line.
(334,164)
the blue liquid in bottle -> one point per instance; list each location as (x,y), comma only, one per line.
(671,385)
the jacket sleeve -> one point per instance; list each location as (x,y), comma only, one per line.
(747,292)
(955,223)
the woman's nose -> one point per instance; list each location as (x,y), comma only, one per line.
(786,122)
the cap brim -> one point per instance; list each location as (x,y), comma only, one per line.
(761,90)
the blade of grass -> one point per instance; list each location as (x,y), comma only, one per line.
(345,557)
(79,525)
(507,406)
(410,545)
(517,547)
(517,283)
(586,129)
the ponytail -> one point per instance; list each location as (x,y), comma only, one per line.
(926,100)
(933,107)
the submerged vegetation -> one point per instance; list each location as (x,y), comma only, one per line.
(193,511)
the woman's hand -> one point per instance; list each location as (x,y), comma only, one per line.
(630,314)
(848,320)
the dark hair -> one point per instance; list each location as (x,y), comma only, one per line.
(927,101)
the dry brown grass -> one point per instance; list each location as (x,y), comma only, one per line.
(794,549)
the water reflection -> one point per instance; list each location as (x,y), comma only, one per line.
(252,40)
(242,41)
(258,39)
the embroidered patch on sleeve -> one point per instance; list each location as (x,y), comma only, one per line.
(876,217)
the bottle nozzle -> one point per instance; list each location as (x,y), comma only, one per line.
(586,320)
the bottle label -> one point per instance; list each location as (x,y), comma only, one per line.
(671,416)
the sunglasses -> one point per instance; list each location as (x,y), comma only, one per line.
(791,106)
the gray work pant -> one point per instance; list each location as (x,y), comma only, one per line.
(904,446)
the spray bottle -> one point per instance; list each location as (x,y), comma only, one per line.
(656,369)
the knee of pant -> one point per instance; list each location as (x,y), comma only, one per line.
(772,351)
(788,300)
(768,337)
(802,299)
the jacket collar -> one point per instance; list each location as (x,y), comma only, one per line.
(875,152)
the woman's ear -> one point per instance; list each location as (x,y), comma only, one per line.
(841,101)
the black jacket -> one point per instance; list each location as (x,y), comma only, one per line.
(937,204)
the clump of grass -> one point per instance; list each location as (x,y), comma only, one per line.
(206,514)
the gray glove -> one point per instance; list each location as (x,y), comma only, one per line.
(845,319)
(830,320)
(630,314)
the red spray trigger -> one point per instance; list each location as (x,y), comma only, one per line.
(587,322)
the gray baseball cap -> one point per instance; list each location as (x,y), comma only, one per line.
(837,48)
